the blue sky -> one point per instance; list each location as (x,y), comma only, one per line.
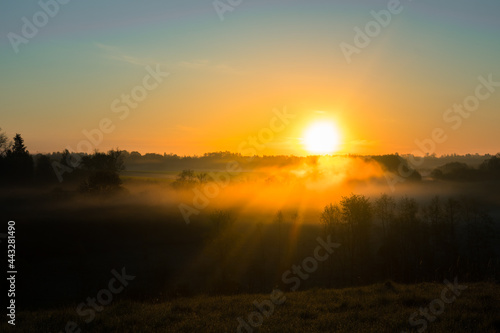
(227,76)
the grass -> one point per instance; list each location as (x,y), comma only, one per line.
(377,308)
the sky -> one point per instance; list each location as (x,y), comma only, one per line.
(202,77)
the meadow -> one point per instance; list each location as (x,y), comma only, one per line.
(382,307)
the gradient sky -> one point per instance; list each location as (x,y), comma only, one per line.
(226,77)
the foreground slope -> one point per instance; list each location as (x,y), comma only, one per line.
(377,308)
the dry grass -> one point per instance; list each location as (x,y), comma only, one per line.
(377,308)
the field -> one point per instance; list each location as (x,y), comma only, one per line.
(294,248)
(384,307)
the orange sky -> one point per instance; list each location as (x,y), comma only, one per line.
(226,77)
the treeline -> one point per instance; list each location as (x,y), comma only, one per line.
(456,171)
(402,240)
(391,161)
(99,172)
(16,163)
(383,238)
(94,173)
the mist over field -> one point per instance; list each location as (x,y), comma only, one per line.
(227,224)
(303,184)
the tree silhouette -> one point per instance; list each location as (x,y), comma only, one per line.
(409,241)
(19,162)
(202,177)
(221,239)
(349,223)
(44,173)
(397,165)
(188,178)
(3,148)
(334,226)
(357,214)
(102,172)
(491,166)
(384,210)
(330,218)
(4,143)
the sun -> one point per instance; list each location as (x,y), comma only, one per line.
(322,138)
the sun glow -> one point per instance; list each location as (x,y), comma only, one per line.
(322,138)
